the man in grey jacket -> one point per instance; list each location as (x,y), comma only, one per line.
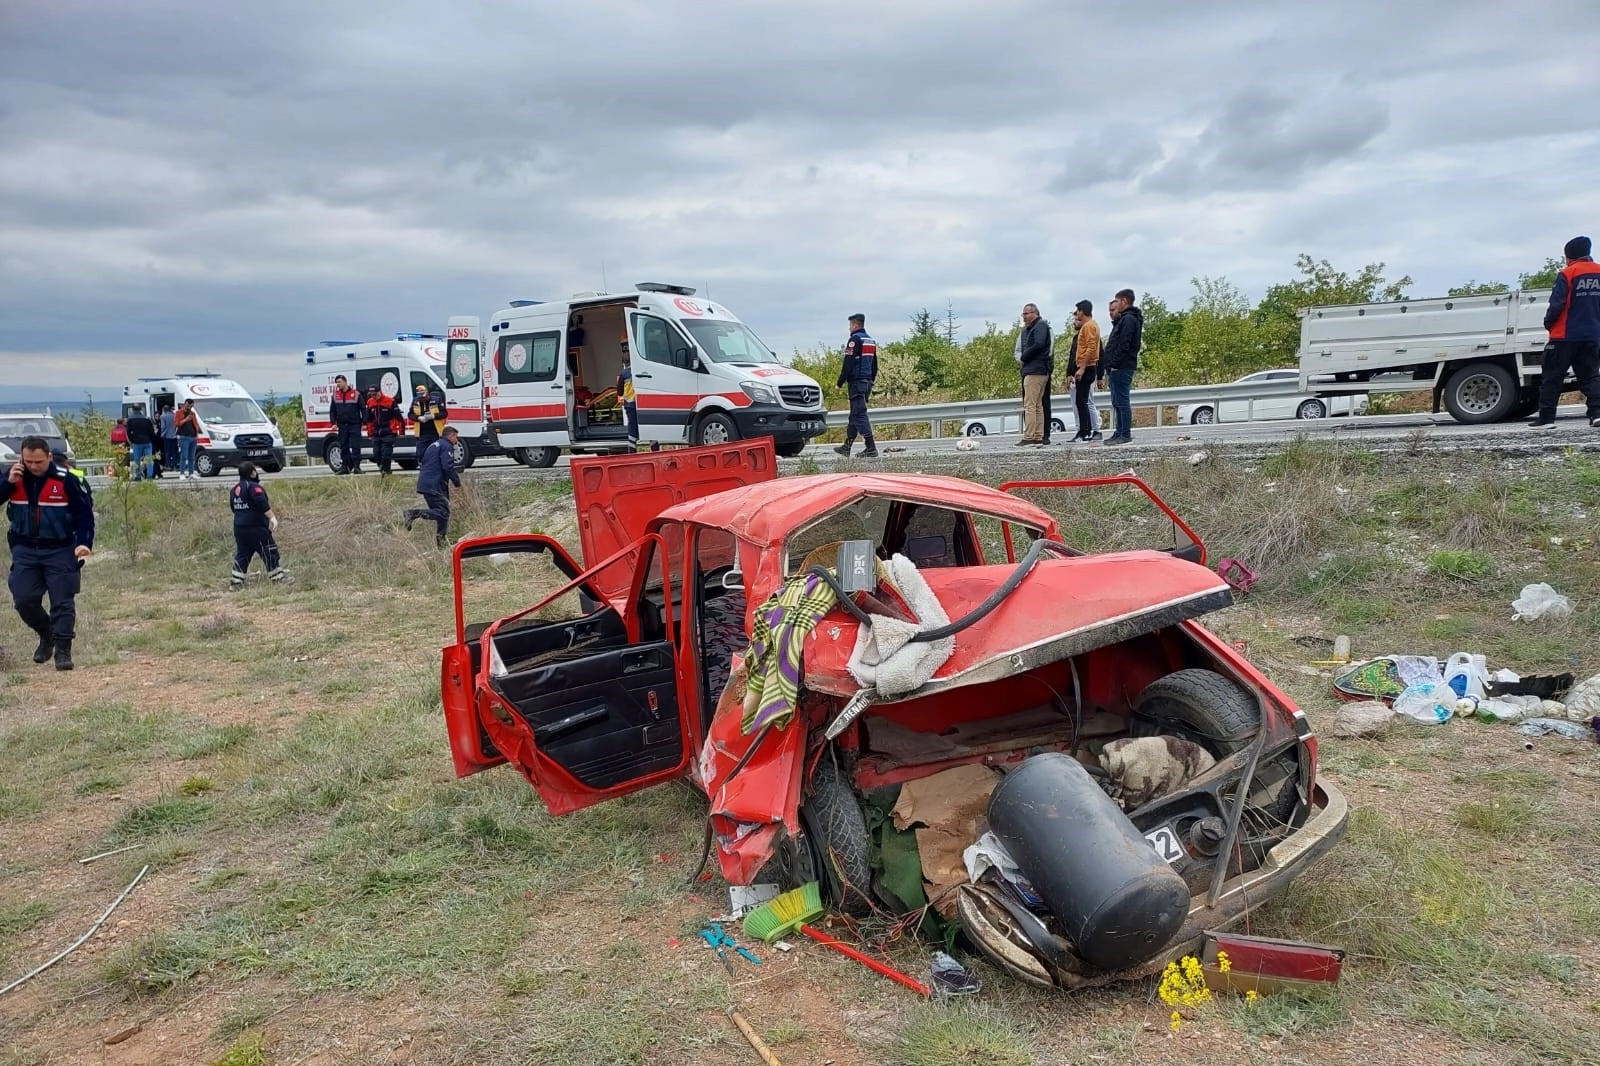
(1034,355)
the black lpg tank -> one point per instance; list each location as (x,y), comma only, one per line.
(1116,899)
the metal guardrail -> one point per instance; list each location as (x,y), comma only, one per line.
(1176,396)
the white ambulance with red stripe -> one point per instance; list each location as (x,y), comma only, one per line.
(547,374)
(232,426)
(397,367)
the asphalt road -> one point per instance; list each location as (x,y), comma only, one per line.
(1380,432)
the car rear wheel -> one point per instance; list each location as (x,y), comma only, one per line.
(836,839)
(977,430)
(1312,409)
(1203,416)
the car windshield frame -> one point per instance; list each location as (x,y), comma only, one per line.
(870,515)
(708,332)
(204,407)
(44,426)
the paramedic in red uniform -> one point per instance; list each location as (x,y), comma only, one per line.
(383,421)
(1573,319)
(857,375)
(51,534)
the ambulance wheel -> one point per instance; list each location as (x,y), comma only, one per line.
(462,453)
(715,428)
(205,465)
(538,458)
(333,455)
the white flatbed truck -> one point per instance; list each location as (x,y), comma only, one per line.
(1480,356)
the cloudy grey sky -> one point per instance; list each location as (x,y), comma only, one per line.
(187,183)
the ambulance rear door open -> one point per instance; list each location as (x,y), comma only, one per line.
(525,379)
(463,376)
(595,334)
(666,376)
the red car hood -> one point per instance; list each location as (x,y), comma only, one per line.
(1062,608)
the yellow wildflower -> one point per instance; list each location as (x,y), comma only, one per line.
(1223,964)
(1177,1021)
(1250,997)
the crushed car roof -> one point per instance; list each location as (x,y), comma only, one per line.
(764,513)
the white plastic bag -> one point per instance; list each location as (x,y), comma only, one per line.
(1498,710)
(1540,601)
(1429,702)
(1583,699)
(1416,669)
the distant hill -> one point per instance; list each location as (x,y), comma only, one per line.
(30,397)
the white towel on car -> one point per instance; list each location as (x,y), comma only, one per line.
(884,657)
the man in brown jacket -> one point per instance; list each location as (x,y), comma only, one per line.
(1084,365)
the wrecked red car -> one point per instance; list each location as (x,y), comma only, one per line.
(1091,777)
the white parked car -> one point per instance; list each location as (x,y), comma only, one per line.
(1302,405)
(983,427)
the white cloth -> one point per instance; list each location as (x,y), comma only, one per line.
(884,657)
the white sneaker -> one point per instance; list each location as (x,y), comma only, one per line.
(1542,427)
(1595,422)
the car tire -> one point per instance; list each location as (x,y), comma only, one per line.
(206,465)
(1202,416)
(715,428)
(1057,426)
(1311,409)
(271,468)
(977,430)
(1481,393)
(538,458)
(333,455)
(836,835)
(790,450)
(462,454)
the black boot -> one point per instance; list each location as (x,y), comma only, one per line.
(871,450)
(47,645)
(63,655)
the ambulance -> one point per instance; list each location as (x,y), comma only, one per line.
(233,427)
(547,374)
(397,367)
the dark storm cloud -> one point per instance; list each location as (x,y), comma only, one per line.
(185,176)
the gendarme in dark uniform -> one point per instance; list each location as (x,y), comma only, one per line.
(857,375)
(51,532)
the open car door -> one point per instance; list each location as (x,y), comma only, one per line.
(617,495)
(1109,514)
(587,707)
(470,745)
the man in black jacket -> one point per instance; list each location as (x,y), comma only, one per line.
(1121,359)
(142,437)
(348,412)
(51,533)
(857,374)
(1035,357)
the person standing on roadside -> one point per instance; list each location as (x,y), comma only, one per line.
(1034,359)
(436,472)
(188,427)
(169,440)
(1083,367)
(1121,360)
(51,533)
(348,412)
(627,396)
(857,375)
(1573,320)
(253,525)
(427,411)
(142,437)
(382,414)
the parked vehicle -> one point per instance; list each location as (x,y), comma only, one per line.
(15,426)
(397,367)
(1304,405)
(983,427)
(233,427)
(548,372)
(646,677)
(1480,356)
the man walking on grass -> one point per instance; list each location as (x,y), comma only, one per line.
(436,472)
(1035,357)
(253,525)
(1573,319)
(51,534)
(1120,357)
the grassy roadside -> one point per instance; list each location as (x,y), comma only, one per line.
(319,875)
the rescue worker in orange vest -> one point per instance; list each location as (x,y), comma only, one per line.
(51,533)
(383,425)
(1573,319)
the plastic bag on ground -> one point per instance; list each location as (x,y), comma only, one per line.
(1583,699)
(1498,710)
(1538,727)
(1540,601)
(1430,702)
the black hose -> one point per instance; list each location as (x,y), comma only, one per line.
(977,614)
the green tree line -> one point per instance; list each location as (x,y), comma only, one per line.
(1218,337)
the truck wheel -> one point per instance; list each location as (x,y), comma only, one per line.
(1527,404)
(462,453)
(715,428)
(333,455)
(791,449)
(206,465)
(1480,393)
(1203,416)
(836,835)
(538,458)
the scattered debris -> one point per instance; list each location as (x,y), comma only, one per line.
(76,944)
(966,444)
(1583,701)
(755,1041)
(1262,965)
(1364,719)
(123,1034)
(1541,727)
(108,854)
(1239,576)
(950,978)
(742,899)
(1196,458)
(1540,601)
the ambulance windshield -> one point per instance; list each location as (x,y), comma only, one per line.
(229,411)
(728,342)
